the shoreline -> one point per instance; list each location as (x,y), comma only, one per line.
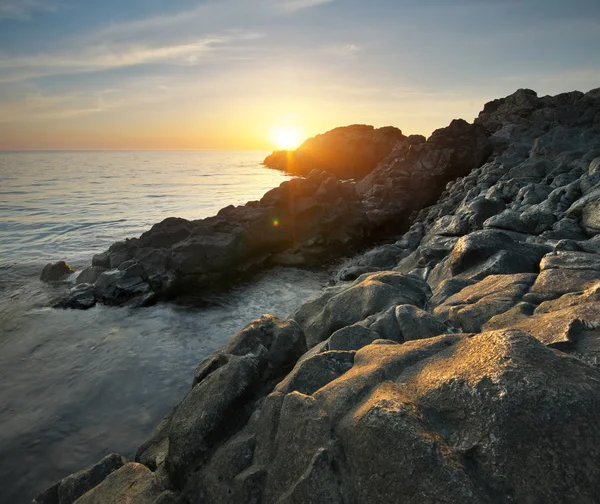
(437,358)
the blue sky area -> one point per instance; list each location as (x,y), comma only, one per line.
(225,73)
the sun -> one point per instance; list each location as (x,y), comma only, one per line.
(286,137)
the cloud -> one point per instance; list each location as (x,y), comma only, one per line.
(114,56)
(296,5)
(343,50)
(22,9)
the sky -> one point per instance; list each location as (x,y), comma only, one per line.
(230,74)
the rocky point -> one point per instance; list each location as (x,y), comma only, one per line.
(456,362)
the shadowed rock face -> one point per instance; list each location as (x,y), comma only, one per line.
(460,365)
(348,152)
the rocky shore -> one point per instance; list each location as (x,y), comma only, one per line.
(458,363)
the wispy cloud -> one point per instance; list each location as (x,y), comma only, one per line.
(343,50)
(296,5)
(114,56)
(22,9)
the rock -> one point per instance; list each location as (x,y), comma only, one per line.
(368,295)
(415,323)
(587,209)
(317,371)
(351,337)
(133,483)
(69,489)
(473,306)
(80,297)
(570,260)
(56,272)
(552,283)
(114,287)
(348,152)
(489,252)
(90,274)
(447,288)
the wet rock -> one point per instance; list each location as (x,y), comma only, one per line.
(56,272)
(80,297)
(90,274)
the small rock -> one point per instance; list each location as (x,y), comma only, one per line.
(56,272)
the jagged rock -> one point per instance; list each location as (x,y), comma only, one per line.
(55,272)
(134,484)
(348,152)
(351,337)
(379,258)
(490,252)
(411,178)
(364,436)
(80,297)
(587,209)
(90,274)
(69,489)
(415,323)
(552,283)
(473,306)
(368,295)
(315,372)
(448,288)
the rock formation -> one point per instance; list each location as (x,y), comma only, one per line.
(348,152)
(456,364)
(304,221)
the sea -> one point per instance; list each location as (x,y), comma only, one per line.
(78,385)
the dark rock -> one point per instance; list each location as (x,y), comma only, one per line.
(80,297)
(317,371)
(489,252)
(348,152)
(69,489)
(56,272)
(90,274)
(132,483)
(415,323)
(351,337)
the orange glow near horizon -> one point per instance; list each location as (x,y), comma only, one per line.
(286,137)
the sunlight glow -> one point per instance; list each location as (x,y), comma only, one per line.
(286,137)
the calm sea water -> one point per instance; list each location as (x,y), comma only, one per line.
(75,386)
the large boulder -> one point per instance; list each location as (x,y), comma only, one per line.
(455,418)
(349,152)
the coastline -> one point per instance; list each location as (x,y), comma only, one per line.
(450,321)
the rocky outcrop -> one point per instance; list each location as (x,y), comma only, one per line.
(303,222)
(459,364)
(348,152)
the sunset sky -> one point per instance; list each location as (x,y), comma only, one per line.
(183,74)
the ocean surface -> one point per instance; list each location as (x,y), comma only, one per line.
(77,385)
